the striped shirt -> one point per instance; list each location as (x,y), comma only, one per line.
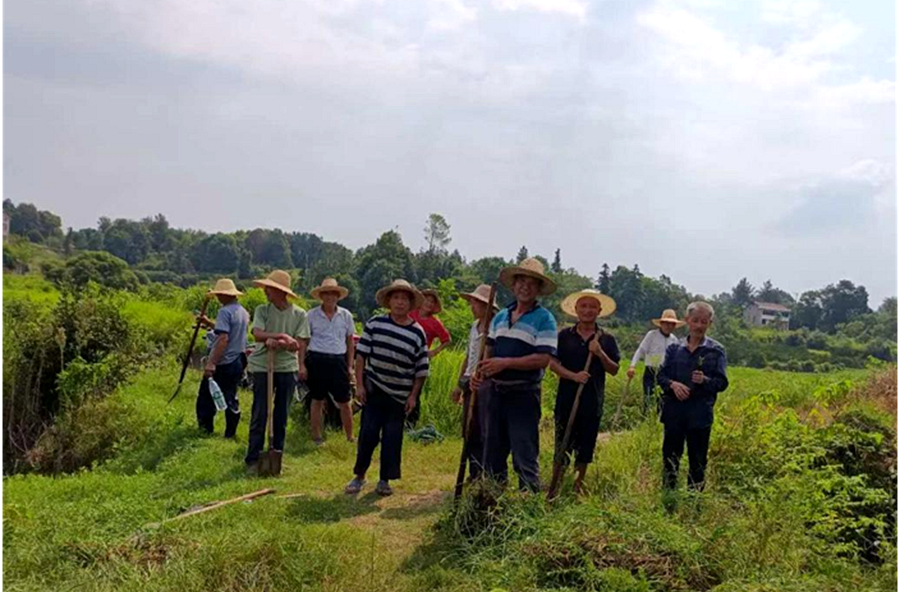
(533,333)
(395,355)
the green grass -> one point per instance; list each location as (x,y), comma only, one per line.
(31,287)
(89,530)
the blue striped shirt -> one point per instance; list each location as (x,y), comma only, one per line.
(533,333)
(395,355)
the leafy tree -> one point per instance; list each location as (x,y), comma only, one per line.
(843,302)
(127,239)
(34,224)
(603,279)
(769,293)
(379,264)
(742,293)
(522,255)
(437,233)
(218,253)
(625,288)
(808,312)
(556,267)
(306,249)
(161,236)
(101,268)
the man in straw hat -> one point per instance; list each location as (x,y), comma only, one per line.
(330,358)
(652,350)
(521,341)
(576,343)
(478,301)
(226,361)
(692,375)
(283,327)
(391,367)
(426,316)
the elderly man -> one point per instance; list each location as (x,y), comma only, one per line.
(576,344)
(653,349)
(283,328)
(521,341)
(391,367)
(330,357)
(692,376)
(225,364)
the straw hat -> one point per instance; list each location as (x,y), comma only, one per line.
(225,287)
(278,279)
(607,304)
(669,316)
(437,299)
(482,294)
(383,295)
(530,267)
(329,285)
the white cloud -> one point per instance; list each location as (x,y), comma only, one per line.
(574,8)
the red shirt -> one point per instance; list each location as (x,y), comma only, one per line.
(433,327)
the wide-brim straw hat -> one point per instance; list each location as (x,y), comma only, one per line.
(278,279)
(607,304)
(482,294)
(329,285)
(437,299)
(530,267)
(225,287)
(669,316)
(383,295)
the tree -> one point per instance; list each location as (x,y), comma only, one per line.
(523,254)
(842,302)
(742,293)
(34,224)
(437,233)
(769,293)
(101,268)
(379,264)
(626,289)
(808,312)
(127,239)
(218,253)
(603,279)
(557,264)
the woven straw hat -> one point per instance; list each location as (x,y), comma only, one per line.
(482,294)
(278,279)
(225,287)
(530,267)
(329,285)
(383,295)
(669,316)
(607,304)
(437,299)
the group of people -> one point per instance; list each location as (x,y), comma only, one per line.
(501,376)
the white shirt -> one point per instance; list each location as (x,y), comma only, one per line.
(653,348)
(329,336)
(473,349)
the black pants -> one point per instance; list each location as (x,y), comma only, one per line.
(650,399)
(583,438)
(328,375)
(697,448)
(513,418)
(284,383)
(476,441)
(227,376)
(382,421)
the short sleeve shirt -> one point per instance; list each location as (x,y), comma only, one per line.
(233,321)
(395,355)
(533,333)
(572,354)
(293,321)
(433,327)
(329,336)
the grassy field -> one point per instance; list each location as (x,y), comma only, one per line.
(750,531)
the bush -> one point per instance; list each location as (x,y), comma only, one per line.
(93,266)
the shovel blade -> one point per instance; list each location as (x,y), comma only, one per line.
(270,463)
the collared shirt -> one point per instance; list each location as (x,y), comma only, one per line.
(653,348)
(472,349)
(534,332)
(572,353)
(233,321)
(329,336)
(433,327)
(395,355)
(269,318)
(680,363)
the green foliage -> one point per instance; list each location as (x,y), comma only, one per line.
(98,267)
(36,225)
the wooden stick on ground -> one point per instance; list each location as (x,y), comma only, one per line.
(215,506)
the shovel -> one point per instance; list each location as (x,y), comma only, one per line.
(270,461)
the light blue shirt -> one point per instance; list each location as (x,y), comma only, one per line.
(233,320)
(329,336)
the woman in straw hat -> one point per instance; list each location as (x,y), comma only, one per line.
(391,367)
(283,327)
(521,340)
(478,301)
(426,316)
(576,343)
(330,358)
(652,350)
(226,360)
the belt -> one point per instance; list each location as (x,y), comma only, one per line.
(515,385)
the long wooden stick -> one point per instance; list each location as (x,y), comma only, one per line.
(190,350)
(473,394)
(215,506)
(558,466)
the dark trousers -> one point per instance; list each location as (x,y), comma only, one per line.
(583,437)
(651,400)
(513,418)
(382,421)
(227,376)
(476,441)
(697,448)
(284,383)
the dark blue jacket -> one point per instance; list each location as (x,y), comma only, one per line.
(697,411)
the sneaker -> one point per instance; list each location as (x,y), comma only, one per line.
(252,469)
(355,486)
(383,488)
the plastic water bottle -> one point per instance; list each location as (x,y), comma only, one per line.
(217,396)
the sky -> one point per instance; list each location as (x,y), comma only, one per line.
(705,140)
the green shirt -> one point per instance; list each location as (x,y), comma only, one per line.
(292,321)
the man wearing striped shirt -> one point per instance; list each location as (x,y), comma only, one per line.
(653,351)
(521,340)
(391,367)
